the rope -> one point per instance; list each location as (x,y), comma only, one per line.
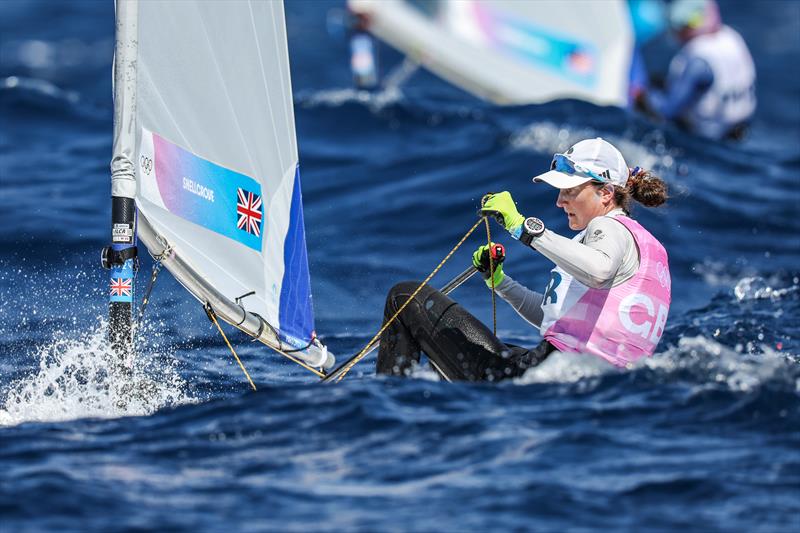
(366,348)
(213,317)
(283,353)
(149,290)
(491,274)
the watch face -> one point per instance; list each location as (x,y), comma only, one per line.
(534,225)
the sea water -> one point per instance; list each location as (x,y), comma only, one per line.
(704,435)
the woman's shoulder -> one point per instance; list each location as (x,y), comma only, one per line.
(606,227)
(609,222)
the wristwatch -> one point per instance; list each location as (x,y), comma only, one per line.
(531,228)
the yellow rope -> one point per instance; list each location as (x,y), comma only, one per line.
(491,274)
(213,317)
(366,348)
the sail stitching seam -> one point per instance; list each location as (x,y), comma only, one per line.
(227,95)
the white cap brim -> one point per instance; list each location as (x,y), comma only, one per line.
(560,180)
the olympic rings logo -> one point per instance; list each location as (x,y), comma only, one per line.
(663,274)
(147,164)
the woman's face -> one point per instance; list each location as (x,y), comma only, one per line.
(583,203)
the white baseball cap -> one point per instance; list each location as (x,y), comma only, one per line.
(590,159)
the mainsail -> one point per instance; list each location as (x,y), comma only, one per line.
(514,51)
(204,123)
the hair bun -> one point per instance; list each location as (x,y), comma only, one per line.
(646,188)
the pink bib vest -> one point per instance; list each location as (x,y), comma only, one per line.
(621,324)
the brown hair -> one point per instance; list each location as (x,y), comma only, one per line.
(644,187)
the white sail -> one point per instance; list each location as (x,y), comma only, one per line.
(216,162)
(514,51)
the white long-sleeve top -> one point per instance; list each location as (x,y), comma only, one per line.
(601,256)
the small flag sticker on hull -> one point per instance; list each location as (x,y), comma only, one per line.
(121,287)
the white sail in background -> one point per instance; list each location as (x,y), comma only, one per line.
(216,162)
(514,51)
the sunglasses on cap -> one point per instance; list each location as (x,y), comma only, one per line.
(562,163)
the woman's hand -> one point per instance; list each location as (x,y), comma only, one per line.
(480,260)
(502,207)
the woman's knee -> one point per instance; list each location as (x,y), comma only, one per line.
(399,293)
(404,288)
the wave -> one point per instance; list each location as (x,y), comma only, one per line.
(374,100)
(705,361)
(39,87)
(652,152)
(698,361)
(38,98)
(80,377)
(57,57)
(756,288)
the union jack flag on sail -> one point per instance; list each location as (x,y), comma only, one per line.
(120,287)
(248,208)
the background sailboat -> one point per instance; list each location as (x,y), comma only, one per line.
(514,51)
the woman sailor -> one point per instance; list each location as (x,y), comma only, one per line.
(608,295)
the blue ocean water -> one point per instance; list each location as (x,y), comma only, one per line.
(703,436)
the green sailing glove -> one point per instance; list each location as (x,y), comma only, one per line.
(502,207)
(480,260)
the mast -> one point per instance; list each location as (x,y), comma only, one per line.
(121,256)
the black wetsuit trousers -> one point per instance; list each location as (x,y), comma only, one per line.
(459,345)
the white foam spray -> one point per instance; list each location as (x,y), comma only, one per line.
(77,377)
(549,138)
(741,368)
(566,368)
(375,101)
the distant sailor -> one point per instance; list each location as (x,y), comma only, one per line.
(363,57)
(608,295)
(710,86)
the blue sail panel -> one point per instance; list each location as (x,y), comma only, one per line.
(296,311)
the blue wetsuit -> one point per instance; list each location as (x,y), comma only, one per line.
(710,86)
(683,92)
